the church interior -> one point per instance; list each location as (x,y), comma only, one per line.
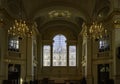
(59,42)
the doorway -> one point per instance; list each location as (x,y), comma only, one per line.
(103,73)
(14,73)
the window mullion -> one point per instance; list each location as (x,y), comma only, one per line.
(51,56)
(67,55)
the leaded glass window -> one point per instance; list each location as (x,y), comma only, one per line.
(13,44)
(59,51)
(72,55)
(56,54)
(46,55)
(103,45)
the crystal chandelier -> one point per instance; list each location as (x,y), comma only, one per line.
(97,30)
(20,29)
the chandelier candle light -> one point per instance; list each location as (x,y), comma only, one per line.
(1,21)
(19,29)
(97,30)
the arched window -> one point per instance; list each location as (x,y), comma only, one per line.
(59,53)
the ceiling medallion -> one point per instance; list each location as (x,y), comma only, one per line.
(59,13)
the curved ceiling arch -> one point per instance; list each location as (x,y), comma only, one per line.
(102,8)
(84,6)
(59,22)
(42,17)
(59,29)
(74,12)
(15,8)
(58,26)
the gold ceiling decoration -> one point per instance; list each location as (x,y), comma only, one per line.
(84,30)
(117,23)
(59,13)
(97,30)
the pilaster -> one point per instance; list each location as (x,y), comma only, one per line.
(29,59)
(89,61)
(115,47)
(3,52)
(27,55)
(79,54)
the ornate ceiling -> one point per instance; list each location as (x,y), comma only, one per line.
(69,13)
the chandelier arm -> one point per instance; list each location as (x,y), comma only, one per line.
(97,30)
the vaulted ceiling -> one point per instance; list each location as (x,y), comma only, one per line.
(58,12)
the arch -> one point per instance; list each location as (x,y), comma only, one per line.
(59,33)
(59,50)
(59,36)
(102,8)
(62,29)
(75,11)
(54,23)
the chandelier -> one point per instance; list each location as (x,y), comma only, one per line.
(20,29)
(97,30)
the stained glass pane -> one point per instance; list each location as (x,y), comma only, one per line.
(72,55)
(59,51)
(46,55)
